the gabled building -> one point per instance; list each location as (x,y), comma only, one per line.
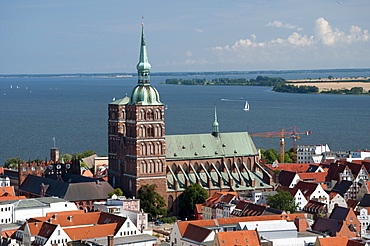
(313,191)
(219,205)
(13,211)
(83,191)
(64,227)
(300,199)
(335,199)
(347,189)
(203,232)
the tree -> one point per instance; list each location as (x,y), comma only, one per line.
(283,200)
(151,201)
(13,163)
(66,157)
(270,155)
(117,192)
(192,195)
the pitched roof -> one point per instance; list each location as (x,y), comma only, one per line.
(196,233)
(286,177)
(206,145)
(182,225)
(326,225)
(339,213)
(307,188)
(351,203)
(365,201)
(232,238)
(342,187)
(94,231)
(292,167)
(333,241)
(7,191)
(77,188)
(313,177)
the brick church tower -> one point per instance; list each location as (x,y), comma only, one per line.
(136,135)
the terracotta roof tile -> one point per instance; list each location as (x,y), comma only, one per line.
(182,225)
(7,191)
(333,241)
(232,238)
(87,232)
(313,177)
(293,167)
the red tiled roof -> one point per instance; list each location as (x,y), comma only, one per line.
(333,241)
(7,191)
(182,225)
(87,232)
(232,238)
(9,198)
(293,167)
(315,177)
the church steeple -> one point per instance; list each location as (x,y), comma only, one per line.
(143,67)
(215,126)
(144,93)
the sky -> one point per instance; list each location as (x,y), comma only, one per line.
(69,36)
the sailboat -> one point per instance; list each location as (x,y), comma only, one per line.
(246,107)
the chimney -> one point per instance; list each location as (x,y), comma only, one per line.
(55,216)
(110,240)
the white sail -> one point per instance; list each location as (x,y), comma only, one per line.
(246,107)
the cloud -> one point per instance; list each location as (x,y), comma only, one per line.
(280,24)
(189,53)
(329,36)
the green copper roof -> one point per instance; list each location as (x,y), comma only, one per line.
(143,64)
(200,146)
(144,93)
(122,101)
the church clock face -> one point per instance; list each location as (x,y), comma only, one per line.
(68,166)
(59,166)
(51,167)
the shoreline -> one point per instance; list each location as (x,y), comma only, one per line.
(334,83)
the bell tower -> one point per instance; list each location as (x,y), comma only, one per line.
(137,137)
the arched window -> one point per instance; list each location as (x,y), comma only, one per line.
(142,115)
(150,131)
(159,166)
(150,115)
(143,149)
(158,148)
(143,167)
(151,148)
(158,130)
(158,114)
(123,114)
(170,203)
(151,167)
(142,131)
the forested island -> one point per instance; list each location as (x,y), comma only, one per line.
(278,84)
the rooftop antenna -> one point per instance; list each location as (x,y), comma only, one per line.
(54,141)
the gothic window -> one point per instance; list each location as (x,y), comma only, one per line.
(249,164)
(160,166)
(143,149)
(151,167)
(143,167)
(158,148)
(142,115)
(158,114)
(150,114)
(142,131)
(123,114)
(150,131)
(170,203)
(158,130)
(151,148)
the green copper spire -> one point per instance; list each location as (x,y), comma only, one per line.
(144,93)
(215,126)
(143,67)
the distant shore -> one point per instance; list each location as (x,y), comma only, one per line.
(334,83)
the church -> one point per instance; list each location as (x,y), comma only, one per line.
(140,153)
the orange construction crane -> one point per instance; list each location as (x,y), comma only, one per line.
(282,134)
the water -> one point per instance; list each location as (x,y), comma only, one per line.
(74,111)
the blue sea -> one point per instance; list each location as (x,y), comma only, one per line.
(73,110)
